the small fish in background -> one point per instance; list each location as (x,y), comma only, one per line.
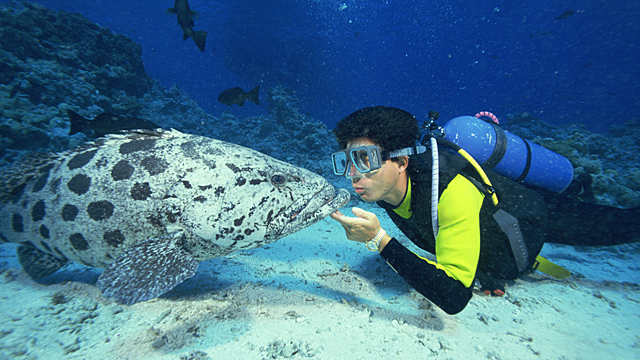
(541,33)
(106,123)
(185,20)
(565,14)
(237,96)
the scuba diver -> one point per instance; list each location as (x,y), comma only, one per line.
(483,227)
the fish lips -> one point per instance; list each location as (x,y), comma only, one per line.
(305,212)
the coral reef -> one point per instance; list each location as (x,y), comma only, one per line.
(611,159)
(53,61)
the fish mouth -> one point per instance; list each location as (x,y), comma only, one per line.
(307,211)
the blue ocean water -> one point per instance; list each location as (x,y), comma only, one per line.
(562,61)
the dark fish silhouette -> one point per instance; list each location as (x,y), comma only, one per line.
(541,33)
(565,14)
(106,123)
(238,96)
(185,20)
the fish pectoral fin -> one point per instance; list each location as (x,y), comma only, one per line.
(171,11)
(148,270)
(38,264)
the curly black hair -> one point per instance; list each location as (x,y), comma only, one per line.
(390,128)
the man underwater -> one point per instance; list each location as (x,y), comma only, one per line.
(473,240)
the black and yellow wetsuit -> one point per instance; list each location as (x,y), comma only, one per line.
(469,239)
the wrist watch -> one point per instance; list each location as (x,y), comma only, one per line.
(374,243)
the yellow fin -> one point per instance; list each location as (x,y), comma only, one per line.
(547,267)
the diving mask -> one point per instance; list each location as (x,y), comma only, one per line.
(366,159)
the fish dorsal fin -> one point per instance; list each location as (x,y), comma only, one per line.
(15,177)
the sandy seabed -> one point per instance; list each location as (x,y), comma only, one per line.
(316,294)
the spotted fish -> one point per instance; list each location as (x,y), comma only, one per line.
(149,206)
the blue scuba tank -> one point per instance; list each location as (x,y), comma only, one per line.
(508,154)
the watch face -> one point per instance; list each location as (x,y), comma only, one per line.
(371,245)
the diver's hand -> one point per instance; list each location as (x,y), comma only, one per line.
(361,228)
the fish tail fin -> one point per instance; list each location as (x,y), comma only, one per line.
(253,95)
(171,11)
(200,38)
(78,122)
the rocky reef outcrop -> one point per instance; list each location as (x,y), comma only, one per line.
(612,158)
(53,61)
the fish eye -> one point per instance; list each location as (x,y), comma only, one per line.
(278,180)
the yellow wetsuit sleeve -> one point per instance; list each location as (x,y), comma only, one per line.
(458,242)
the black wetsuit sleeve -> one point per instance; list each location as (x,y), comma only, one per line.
(446,292)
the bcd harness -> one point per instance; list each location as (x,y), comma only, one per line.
(508,223)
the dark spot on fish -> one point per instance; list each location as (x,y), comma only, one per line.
(141,191)
(100,210)
(200,199)
(44,232)
(41,182)
(186,184)
(81,160)
(55,184)
(46,168)
(78,242)
(238,222)
(248,231)
(154,165)
(137,145)
(122,171)
(219,191)
(233,168)
(69,212)
(223,234)
(109,256)
(205,187)
(44,244)
(565,14)
(37,211)
(173,216)
(113,238)
(3,238)
(256,181)
(154,220)
(16,223)
(17,192)
(270,216)
(241,181)
(239,238)
(79,184)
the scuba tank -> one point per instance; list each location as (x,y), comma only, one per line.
(508,154)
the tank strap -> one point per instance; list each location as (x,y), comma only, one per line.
(500,149)
(525,172)
(511,227)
